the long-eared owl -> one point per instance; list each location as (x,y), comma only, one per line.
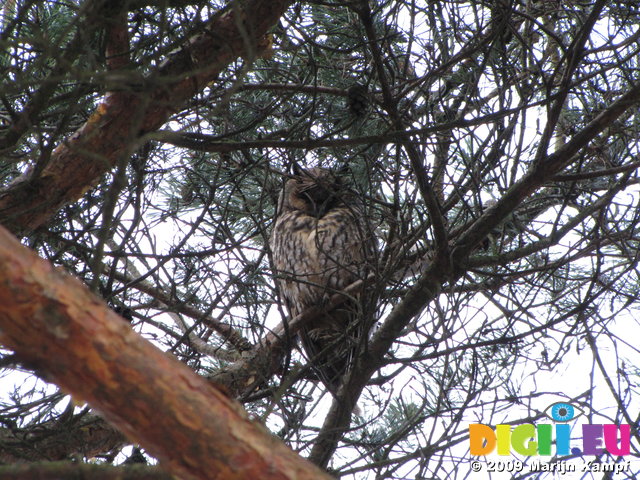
(321,243)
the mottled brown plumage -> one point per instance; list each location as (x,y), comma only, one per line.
(321,245)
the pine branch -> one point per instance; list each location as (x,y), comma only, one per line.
(123,117)
(58,470)
(438,273)
(56,325)
(86,435)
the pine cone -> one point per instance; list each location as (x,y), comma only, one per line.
(358,99)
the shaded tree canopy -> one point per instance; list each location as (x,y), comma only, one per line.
(494,145)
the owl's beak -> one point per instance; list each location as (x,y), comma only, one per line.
(320,200)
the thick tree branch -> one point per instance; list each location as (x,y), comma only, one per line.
(426,289)
(122,117)
(91,15)
(258,365)
(56,325)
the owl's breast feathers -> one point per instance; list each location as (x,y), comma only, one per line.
(317,257)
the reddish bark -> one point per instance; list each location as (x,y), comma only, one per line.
(62,330)
(124,116)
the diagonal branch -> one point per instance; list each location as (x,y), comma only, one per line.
(542,172)
(576,50)
(243,377)
(124,116)
(438,273)
(224,330)
(418,166)
(56,325)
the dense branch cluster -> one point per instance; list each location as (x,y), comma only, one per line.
(493,146)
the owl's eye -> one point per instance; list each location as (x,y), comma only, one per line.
(562,412)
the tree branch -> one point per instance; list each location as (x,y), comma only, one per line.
(86,435)
(58,470)
(265,359)
(56,325)
(124,116)
(541,172)
(436,274)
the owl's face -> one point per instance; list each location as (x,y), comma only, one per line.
(315,192)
